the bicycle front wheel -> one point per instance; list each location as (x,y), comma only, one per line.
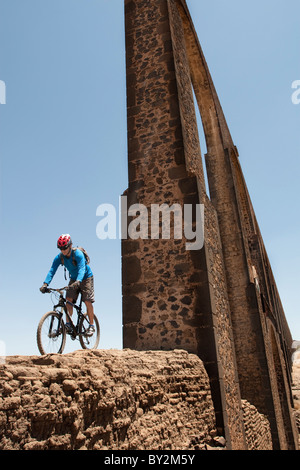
(51,334)
(89,341)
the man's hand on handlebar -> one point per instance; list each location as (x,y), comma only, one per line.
(44,288)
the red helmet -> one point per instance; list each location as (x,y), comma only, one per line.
(64,241)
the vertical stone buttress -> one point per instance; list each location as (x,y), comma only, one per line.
(173,297)
(261,335)
(207,301)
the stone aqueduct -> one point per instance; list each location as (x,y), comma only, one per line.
(207,349)
(220,302)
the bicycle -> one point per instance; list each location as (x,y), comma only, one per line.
(52,332)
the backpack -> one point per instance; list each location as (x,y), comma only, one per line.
(87,258)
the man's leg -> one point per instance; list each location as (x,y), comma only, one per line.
(87,289)
(90,311)
(69,308)
(72,295)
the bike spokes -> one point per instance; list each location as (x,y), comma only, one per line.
(88,340)
(51,335)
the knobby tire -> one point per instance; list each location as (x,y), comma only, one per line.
(61,339)
(96,336)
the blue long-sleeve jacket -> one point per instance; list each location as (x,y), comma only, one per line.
(77,273)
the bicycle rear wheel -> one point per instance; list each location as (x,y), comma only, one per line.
(89,342)
(51,334)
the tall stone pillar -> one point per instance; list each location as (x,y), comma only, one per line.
(174,297)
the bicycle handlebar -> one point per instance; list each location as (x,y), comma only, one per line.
(49,289)
(60,291)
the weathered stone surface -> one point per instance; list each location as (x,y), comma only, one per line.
(257,428)
(296,389)
(172,297)
(110,400)
(106,400)
(219,302)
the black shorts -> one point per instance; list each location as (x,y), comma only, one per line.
(86,288)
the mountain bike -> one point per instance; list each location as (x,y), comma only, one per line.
(52,331)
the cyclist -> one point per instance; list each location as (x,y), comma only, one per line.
(81,278)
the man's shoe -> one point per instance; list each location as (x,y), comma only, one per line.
(90,331)
(69,328)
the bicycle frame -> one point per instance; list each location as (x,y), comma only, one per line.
(63,305)
(51,331)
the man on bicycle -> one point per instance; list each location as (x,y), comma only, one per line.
(81,277)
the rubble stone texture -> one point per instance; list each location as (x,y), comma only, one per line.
(296,389)
(219,302)
(105,400)
(113,400)
(230,384)
(257,428)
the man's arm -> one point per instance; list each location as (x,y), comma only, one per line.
(53,269)
(81,264)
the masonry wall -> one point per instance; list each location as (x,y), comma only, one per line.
(109,400)
(106,400)
(207,301)
(248,272)
(257,426)
(158,285)
(170,298)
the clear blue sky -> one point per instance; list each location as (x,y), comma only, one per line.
(63,148)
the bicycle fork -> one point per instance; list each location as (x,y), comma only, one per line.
(53,333)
